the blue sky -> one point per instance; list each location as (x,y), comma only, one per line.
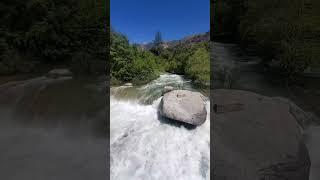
(139,20)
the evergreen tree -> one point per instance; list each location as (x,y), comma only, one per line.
(157,44)
(158,39)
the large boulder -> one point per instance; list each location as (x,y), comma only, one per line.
(257,137)
(184,106)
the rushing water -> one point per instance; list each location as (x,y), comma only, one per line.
(144,146)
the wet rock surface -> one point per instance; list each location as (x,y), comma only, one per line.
(257,137)
(167,89)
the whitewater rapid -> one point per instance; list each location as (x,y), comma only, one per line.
(144,147)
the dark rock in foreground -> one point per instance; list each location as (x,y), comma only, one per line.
(184,106)
(257,137)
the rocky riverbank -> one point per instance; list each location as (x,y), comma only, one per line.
(258,137)
(236,70)
(53,128)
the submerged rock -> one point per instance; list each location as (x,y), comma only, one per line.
(184,106)
(56,73)
(167,89)
(257,137)
(128,84)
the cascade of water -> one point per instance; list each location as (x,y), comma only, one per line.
(144,147)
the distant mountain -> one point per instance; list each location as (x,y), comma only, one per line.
(189,40)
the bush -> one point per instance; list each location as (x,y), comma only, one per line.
(54,32)
(286,30)
(128,63)
(198,67)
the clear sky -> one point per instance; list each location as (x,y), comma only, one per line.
(139,20)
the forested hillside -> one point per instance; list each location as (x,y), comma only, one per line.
(193,39)
(286,32)
(35,34)
(131,63)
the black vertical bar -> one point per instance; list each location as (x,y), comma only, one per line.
(108,90)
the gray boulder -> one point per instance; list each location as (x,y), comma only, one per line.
(257,137)
(184,106)
(56,73)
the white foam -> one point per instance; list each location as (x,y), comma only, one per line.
(142,147)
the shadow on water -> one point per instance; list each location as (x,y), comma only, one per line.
(53,129)
(76,105)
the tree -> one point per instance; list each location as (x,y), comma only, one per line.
(158,39)
(157,44)
(55,33)
(128,63)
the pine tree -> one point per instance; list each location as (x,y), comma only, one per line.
(158,39)
(157,44)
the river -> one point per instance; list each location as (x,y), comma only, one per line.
(146,146)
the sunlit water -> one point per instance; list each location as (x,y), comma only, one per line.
(145,147)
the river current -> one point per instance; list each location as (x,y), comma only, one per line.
(144,146)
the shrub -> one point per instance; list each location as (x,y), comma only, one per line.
(198,66)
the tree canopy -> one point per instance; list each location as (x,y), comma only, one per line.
(286,31)
(129,63)
(53,32)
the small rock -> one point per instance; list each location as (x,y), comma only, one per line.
(128,84)
(56,73)
(167,89)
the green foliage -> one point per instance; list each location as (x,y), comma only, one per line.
(128,63)
(54,31)
(176,56)
(286,30)
(191,60)
(198,66)
(145,66)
